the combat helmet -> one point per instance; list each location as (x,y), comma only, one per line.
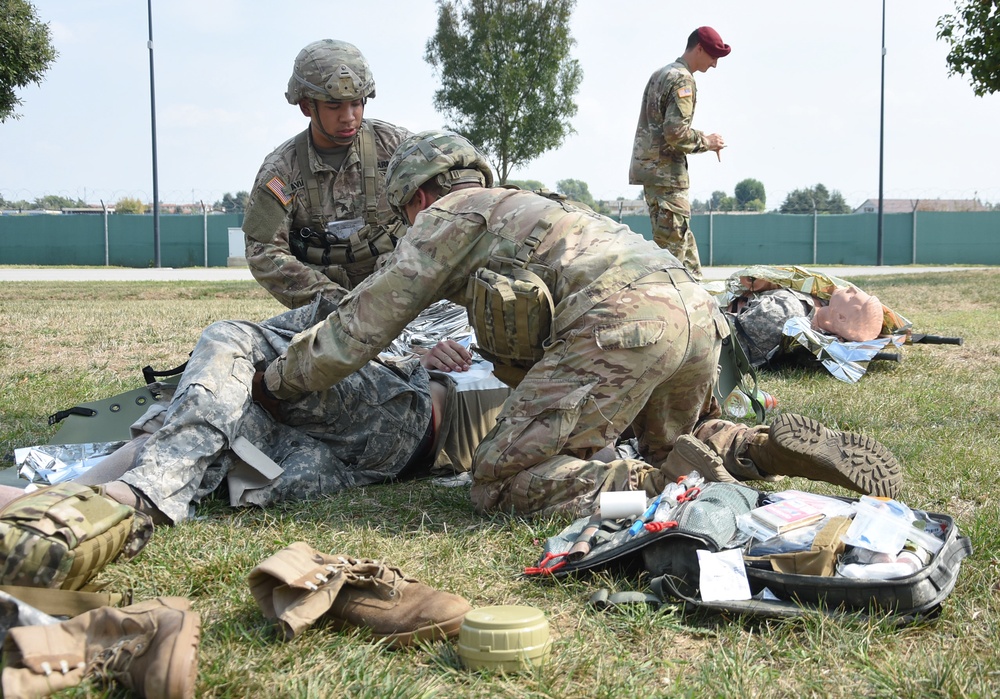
(443,156)
(330,70)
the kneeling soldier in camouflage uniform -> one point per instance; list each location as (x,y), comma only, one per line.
(598,329)
(317,219)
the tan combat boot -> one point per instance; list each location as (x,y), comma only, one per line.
(150,647)
(796,445)
(299,585)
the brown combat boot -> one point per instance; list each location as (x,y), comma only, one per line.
(299,585)
(150,647)
(796,445)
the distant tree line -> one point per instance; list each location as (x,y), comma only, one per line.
(749,195)
(230,204)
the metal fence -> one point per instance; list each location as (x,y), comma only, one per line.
(723,239)
(119,240)
(923,237)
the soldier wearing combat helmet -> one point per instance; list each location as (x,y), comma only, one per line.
(317,220)
(595,328)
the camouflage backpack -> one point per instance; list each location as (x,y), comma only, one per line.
(61,536)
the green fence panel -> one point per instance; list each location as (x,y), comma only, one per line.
(45,239)
(723,239)
(849,239)
(79,240)
(977,234)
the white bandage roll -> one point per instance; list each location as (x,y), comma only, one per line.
(621,504)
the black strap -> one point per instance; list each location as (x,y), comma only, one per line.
(604,600)
(150,375)
(76,410)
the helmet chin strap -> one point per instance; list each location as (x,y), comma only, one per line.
(318,123)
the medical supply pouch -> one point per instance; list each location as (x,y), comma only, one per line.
(61,536)
(705,518)
(668,553)
(511,314)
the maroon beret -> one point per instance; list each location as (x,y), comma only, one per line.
(712,42)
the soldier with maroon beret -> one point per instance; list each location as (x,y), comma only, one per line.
(663,139)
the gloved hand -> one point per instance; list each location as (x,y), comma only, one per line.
(263,397)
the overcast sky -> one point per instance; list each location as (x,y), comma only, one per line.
(797,100)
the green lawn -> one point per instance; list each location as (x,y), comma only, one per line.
(938,410)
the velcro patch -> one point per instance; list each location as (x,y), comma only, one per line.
(684,92)
(263,218)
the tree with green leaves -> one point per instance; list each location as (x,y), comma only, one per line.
(25,52)
(530,185)
(577,190)
(973,32)
(750,195)
(53,202)
(233,204)
(722,202)
(818,198)
(129,205)
(507,77)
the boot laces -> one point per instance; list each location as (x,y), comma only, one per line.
(116,660)
(386,579)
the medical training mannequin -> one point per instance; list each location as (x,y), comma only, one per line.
(851,314)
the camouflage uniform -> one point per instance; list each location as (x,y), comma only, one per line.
(663,139)
(272,216)
(361,431)
(643,352)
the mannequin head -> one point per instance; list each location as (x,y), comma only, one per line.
(851,314)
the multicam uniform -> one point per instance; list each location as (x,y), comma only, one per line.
(363,430)
(640,346)
(663,139)
(279,208)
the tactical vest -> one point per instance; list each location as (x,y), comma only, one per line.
(511,308)
(357,252)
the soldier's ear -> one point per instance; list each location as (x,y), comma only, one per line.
(305,108)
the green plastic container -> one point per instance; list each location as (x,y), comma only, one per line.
(506,638)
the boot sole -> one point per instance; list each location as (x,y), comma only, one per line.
(439,631)
(434,632)
(808,449)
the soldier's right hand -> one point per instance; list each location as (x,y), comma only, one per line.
(714,141)
(447,355)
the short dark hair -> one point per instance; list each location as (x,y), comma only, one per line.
(433,187)
(693,40)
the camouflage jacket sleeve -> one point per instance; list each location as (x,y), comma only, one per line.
(677,102)
(432,262)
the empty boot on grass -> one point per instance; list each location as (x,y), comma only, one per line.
(796,445)
(150,647)
(299,585)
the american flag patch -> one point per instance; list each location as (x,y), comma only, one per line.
(277,188)
(684,92)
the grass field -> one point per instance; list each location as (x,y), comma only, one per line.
(938,410)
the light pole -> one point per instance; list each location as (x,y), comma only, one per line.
(152,115)
(881,144)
